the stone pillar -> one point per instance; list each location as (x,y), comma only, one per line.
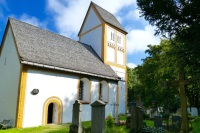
(98,117)
(136,119)
(76,126)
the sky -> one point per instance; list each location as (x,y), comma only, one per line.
(65,17)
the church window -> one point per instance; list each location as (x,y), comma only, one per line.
(84,91)
(103,91)
(81,89)
(119,39)
(112,35)
(100,91)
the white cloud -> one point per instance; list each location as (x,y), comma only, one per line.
(32,20)
(137,40)
(131,65)
(69,15)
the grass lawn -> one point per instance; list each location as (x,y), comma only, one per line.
(196,125)
(64,128)
(41,129)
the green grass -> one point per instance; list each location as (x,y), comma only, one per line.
(123,117)
(149,123)
(196,125)
(41,129)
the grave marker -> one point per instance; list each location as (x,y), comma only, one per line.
(136,119)
(76,126)
(98,117)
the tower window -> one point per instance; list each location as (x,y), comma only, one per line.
(112,36)
(119,39)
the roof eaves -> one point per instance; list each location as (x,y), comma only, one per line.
(68,70)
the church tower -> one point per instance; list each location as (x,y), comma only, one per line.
(104,33)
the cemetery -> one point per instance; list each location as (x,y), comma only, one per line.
(91,89)
(135,121)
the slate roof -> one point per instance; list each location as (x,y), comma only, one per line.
(40,46)
(108,17)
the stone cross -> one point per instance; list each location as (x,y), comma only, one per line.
(98,117)
(114,104)
(181,82)
(76,126)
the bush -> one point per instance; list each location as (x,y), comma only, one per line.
(110,122)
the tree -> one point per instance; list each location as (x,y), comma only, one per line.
(156,68)
(176,18)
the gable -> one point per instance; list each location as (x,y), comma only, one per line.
(91,21)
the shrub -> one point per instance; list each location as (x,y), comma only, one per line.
(110,121)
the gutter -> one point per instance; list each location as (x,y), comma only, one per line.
(66,70)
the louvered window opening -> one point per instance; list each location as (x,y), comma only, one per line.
(100,92)
(81,89)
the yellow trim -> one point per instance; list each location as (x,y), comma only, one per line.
(91,30)
(90,99)
(116,50)
(21,98)
(78,88)
(125,58)
(52,99)
(16,115)
(99,90)
(115,65)
(103,41)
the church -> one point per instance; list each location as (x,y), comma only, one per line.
(43,73)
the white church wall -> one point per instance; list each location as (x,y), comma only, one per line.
(64,87)
(122,89)
(110,108)
(120,57)
(122,97)
(9,83)
(91,21)
(111,54)
(96,40)
(49,84)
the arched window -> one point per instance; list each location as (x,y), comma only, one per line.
(84,91)
(103,91)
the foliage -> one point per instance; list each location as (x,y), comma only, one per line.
(134,85)
(110,122)
(195,125)
(158,67)
(178,20)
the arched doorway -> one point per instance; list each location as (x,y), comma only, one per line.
(52,111)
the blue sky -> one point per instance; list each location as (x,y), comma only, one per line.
(66,16)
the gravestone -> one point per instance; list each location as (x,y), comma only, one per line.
(76,126)
(176,121)
(154,109)
(136,119)
(98,117)
(158,121)
(193,111)
(131,105)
